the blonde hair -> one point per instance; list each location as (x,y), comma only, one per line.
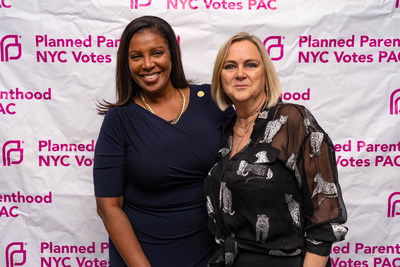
(272,84)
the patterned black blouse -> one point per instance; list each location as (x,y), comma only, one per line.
(280,194)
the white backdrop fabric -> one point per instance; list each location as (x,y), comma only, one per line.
(341,59)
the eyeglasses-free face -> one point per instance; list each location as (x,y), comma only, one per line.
(150,61)
(243,73)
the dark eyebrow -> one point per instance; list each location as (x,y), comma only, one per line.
(154,48)
(159,47)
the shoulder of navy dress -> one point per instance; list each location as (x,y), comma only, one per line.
(111,116)
(112,112)
(113,123)
(117,111)
(202,94)
(198,89)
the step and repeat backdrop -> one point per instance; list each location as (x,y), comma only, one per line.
(341,59)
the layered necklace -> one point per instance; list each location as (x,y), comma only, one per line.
(183,101)
(247,125)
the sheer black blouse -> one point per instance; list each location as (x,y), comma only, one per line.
(280,194)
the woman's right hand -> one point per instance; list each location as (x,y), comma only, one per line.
(120,231)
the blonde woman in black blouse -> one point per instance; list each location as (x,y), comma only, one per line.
(273,198)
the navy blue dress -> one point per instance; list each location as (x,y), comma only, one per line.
(160,168)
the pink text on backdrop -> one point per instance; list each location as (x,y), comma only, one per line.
(6,44)
(6,152)
(267,5)
(315,56)
(54,56)
(225,5)
(58,262)
(175,4)
(64,160)
(208,4)
(386,262)
(9,211)
(15,254)
(391,56)
(6,108)
(289,96)
(20,197)
(18,94)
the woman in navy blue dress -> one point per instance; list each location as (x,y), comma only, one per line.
(155,147)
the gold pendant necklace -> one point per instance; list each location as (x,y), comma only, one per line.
(183,101)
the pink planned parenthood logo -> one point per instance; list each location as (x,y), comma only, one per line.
(135,4)
(394,102)
(274,47)
(10,48)
(15,254)
(5,4)
(12,152)
(394,205)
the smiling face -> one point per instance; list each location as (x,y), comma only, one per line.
(150,61)
(243,74)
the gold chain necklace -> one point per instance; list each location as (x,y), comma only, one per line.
(242,127)
(241,139)
(183,101)
(247,125)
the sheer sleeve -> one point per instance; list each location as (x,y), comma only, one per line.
(324,208)
(310,154)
